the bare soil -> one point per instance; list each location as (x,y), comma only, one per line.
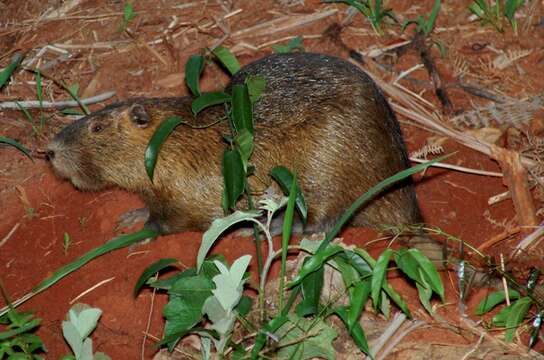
(38,209)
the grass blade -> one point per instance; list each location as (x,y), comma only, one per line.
(17,145)
(150,271)
(6,73)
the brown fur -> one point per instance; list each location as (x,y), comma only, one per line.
(319,116)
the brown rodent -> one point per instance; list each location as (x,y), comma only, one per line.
(320,116)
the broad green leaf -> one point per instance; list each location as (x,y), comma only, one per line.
(86,350)
(494,299)
(244,305)
(114,244)
(317,346)
(284,178)
(184,309)
(357,333)
(155,143)
(358,296)
(425,293)
(315,262)
(385,305)
(499,319)
(6,73)
(378,276)
(216,229)
(242,111)
(234,178)
(516,316)
(150,271)
(350,275)
(311,293)
(244,142)
(18,146)
(85,320)
(255,87)
(209,99)
(193,70)
(429,271)
(73,338)
(229,283)
(227,59)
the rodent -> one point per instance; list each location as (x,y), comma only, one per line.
(320,116)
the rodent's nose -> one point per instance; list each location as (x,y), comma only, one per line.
(50,155)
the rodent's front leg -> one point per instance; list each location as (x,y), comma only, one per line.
(131,218)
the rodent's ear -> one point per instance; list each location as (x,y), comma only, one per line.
(139,116)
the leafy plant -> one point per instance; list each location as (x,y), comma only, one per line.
(493,12)
(8,71)
(293,44)
(66,242)
(128,16)
(17,338)
(374,11)
(80,322)
(424,25)
(513,315)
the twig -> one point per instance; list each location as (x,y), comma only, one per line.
(90,289)
(58,104)
(528,240)
(10,233)
(459,168)
(399,336)
(148,325)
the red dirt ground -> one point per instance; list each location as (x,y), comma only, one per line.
(43,208)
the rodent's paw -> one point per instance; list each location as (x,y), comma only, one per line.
(131,218)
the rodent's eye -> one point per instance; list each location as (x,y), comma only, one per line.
(96,128)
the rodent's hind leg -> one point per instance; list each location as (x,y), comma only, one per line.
(131,218)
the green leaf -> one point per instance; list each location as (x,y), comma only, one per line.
(378,276)
(293,44)
(242,112)
(244,305)
(255,87)
(317,346)
(285,237)
(229,283)
(516,316)
(209,99)
(84,318)
(494,299)
(285,178)
(216,229)
(429,24)
(311,293)
(499,319)
(227,59)
(425,293)
(358,296)
(193,70)
(184,309)
(17,145)
(244,142)
(428,270)
(234,178)
(114,244)
(39,88)
(150,271)
(6,73)
(155,143)
(315,262)
(357,333)
(73,338)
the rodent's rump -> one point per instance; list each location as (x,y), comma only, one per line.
(320,116)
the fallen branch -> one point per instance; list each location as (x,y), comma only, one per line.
(33,104)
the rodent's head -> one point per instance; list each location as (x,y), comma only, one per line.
(103,149)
